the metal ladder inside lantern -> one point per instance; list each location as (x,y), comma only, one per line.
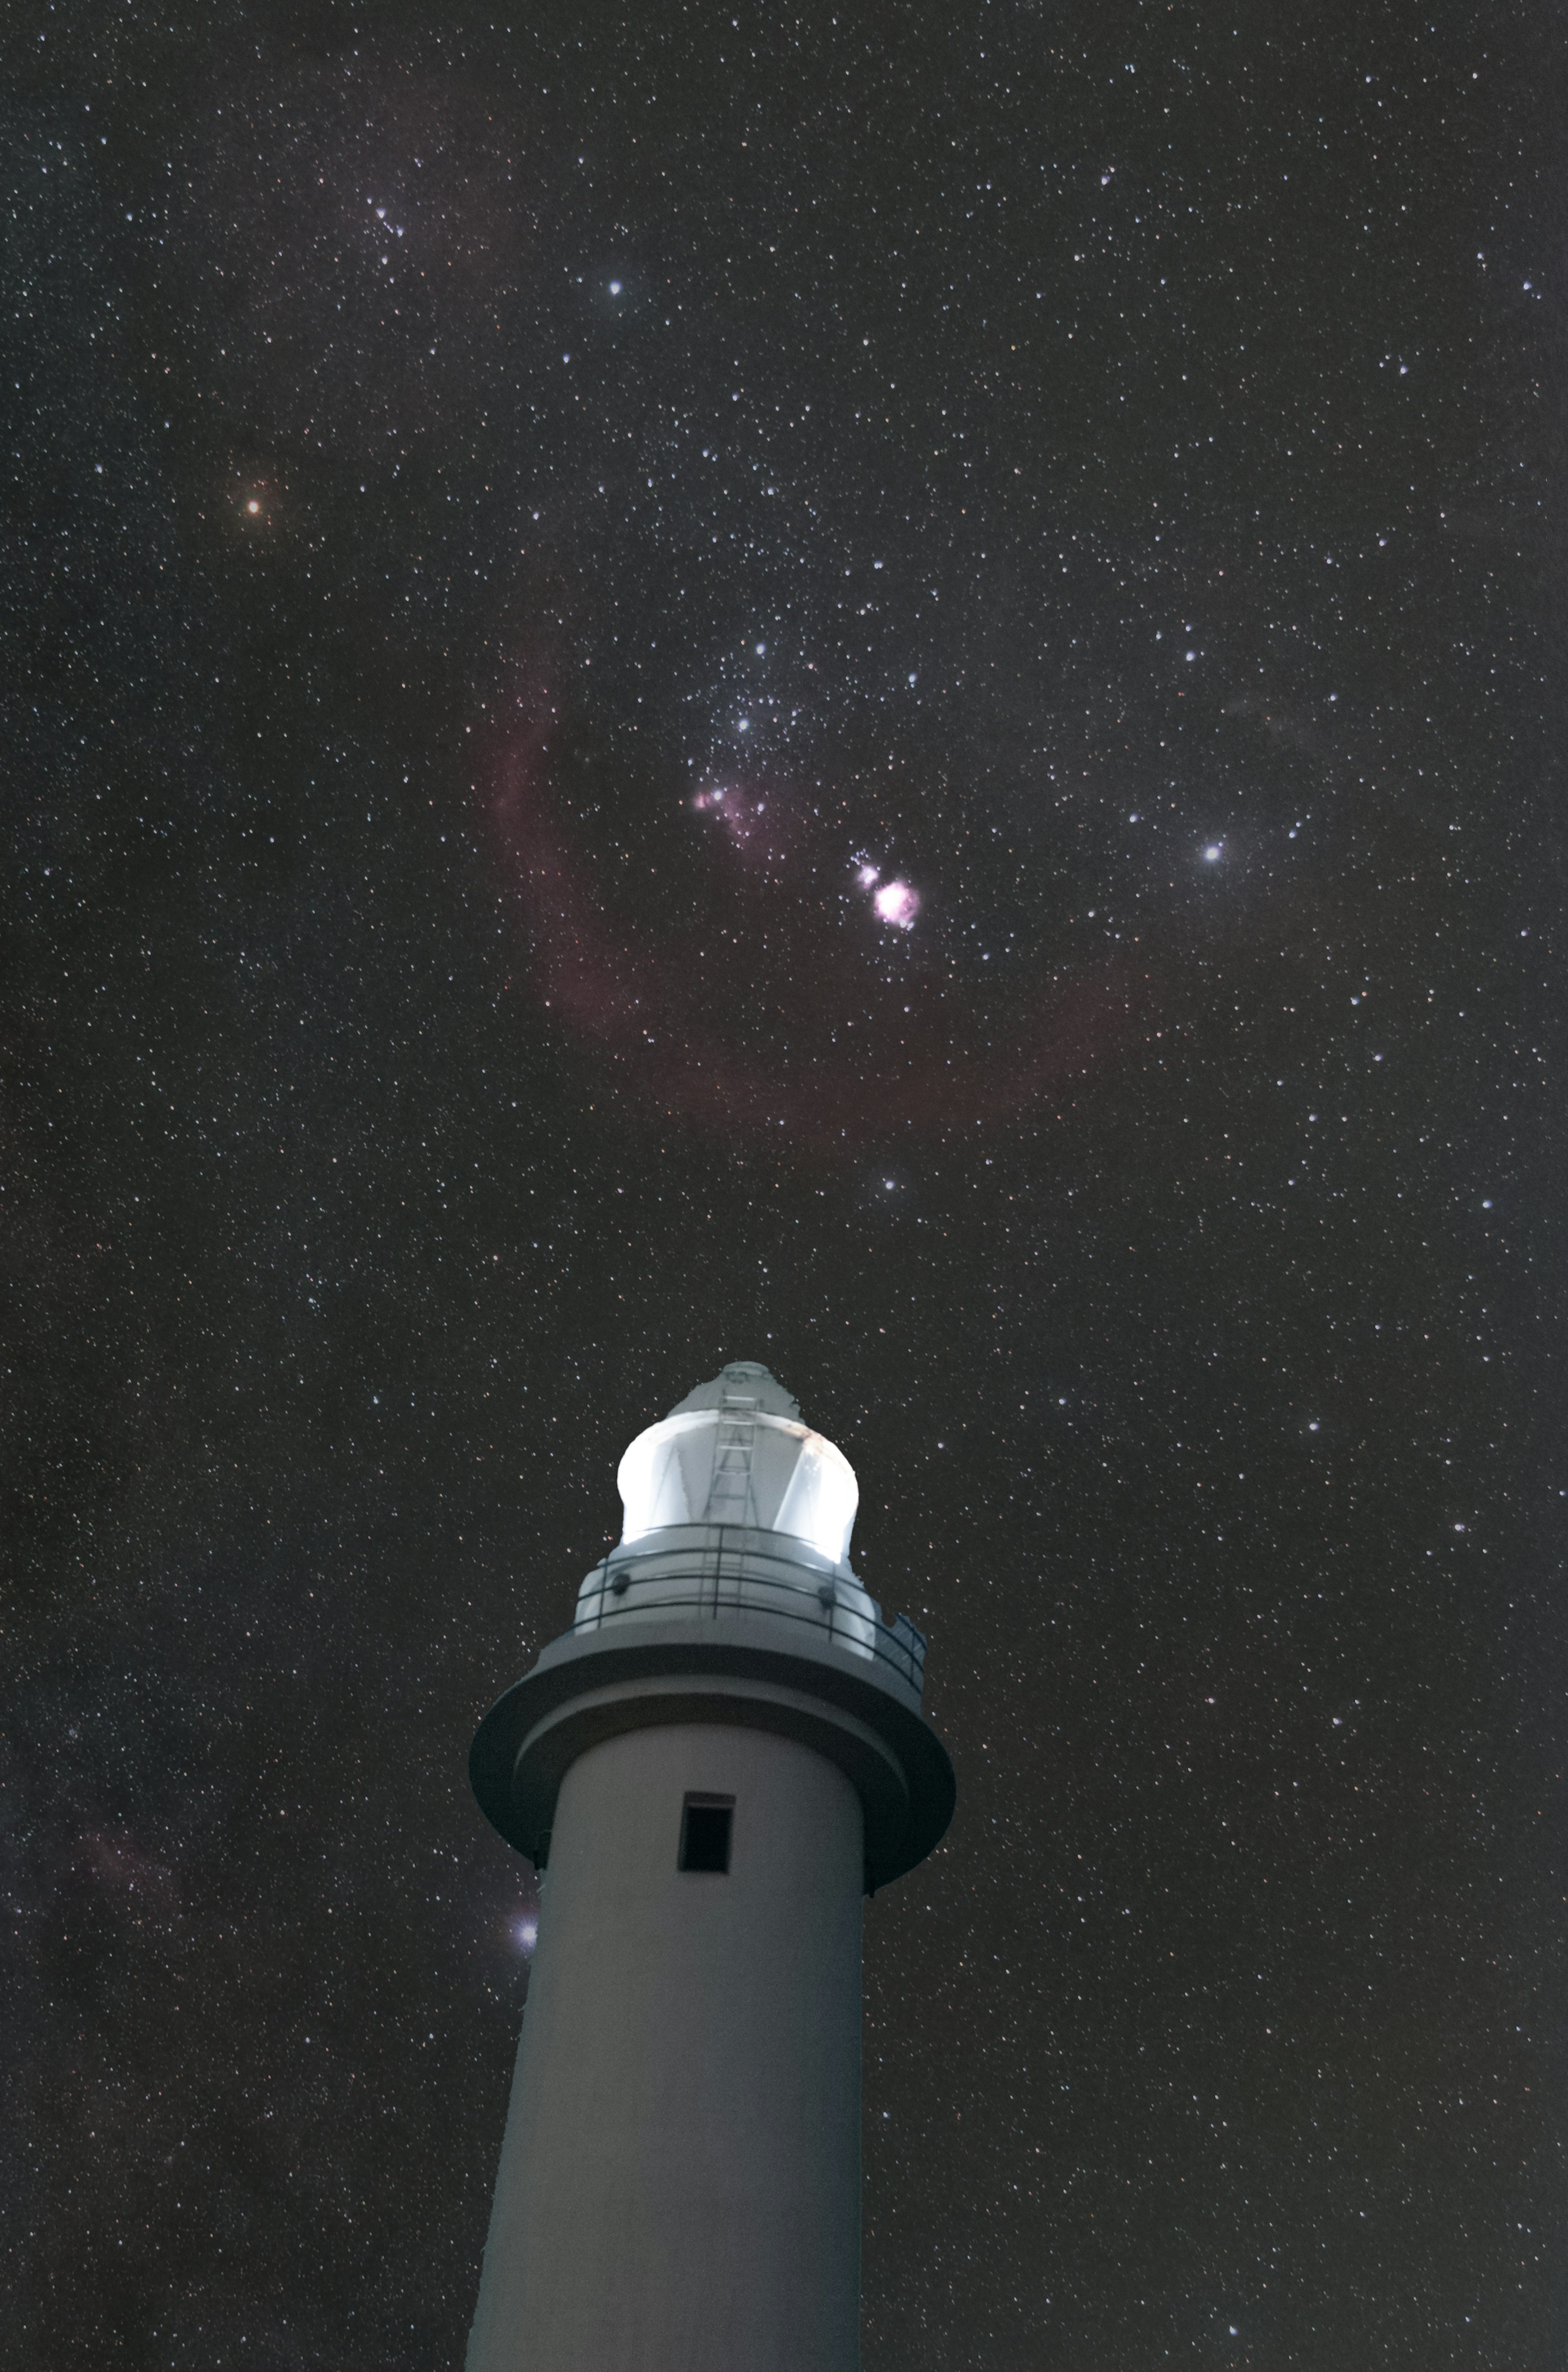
(730,1492)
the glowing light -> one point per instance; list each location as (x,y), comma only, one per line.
(615,288)
(744,726)
(896,902)
(526,1932)
(252,505)
(866,876)
(1211,853)
(798,1484)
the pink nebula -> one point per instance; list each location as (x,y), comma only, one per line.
(772,1023)
(897,902)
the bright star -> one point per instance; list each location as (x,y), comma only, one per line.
(615,288)
(1212,852)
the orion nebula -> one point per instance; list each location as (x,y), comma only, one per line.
(896,902)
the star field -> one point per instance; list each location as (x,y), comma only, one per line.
(879,692)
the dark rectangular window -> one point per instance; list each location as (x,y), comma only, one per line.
(704,1833)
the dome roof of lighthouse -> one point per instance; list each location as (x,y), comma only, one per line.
(743,1380)
(734,1452)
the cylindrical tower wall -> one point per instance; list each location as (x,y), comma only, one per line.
(679,2182)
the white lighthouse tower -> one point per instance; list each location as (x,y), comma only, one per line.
(715,1763)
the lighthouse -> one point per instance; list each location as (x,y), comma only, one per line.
(713,1766)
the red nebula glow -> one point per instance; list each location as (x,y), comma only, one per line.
(758,831)
(121,1865)
(758,1015)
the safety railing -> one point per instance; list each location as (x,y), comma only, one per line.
(731,1579)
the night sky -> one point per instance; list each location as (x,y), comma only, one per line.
(881,692)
